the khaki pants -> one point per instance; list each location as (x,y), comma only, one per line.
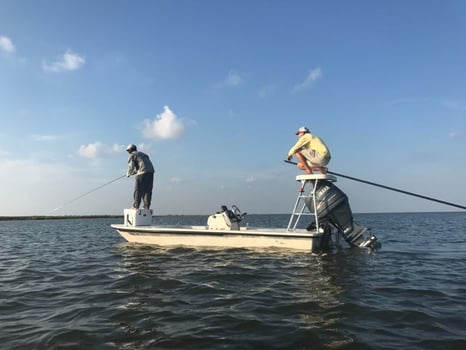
(314,158)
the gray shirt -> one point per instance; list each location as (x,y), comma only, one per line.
(139,163)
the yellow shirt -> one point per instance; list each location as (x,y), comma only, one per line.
(310,142)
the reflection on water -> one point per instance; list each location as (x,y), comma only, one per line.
(236,288)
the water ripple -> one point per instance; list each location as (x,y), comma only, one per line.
(75,284)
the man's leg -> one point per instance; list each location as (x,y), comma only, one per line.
(302,163)
(308,161)
(137,191)
(148,184)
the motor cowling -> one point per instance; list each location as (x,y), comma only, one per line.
(333,206)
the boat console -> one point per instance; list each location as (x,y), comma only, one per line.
(226,219)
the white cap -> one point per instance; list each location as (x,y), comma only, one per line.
(131,148)
(302,129)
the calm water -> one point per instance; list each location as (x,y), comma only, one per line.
(75,284)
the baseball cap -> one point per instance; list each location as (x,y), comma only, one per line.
(302,129)
(131,148)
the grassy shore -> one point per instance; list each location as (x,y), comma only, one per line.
(56,217)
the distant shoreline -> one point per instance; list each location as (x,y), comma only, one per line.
(57,217)
(61,217)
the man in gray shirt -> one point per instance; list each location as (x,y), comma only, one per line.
(140,165)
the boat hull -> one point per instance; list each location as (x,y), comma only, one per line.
(201,236)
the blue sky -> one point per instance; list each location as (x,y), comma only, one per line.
(214,91)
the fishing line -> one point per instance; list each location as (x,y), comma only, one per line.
(89,192)
(391,188)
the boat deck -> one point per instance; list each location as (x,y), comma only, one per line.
(195,230)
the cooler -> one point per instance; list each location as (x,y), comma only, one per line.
(138,217)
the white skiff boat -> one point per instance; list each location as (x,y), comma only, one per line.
(324,203)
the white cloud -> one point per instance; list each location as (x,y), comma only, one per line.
(164,126)
(98,149)
(313,75)
(266,90)
(250,179)
(232,79)
(455,135)
(118,148)
(92,150)
(454,105)
(68,62)
(45,138)
(38,180)
(6,44)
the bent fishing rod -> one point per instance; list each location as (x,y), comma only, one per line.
(89,192)
(391,188)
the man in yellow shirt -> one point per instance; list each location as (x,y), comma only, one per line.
(310,151)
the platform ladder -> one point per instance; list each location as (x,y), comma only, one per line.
(300,205)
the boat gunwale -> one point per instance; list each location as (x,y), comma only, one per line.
(190,231)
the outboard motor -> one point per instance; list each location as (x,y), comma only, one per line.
(333,206)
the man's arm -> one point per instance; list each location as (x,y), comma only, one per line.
(131,167)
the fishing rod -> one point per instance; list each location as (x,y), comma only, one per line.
(89,192)
(391,188)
